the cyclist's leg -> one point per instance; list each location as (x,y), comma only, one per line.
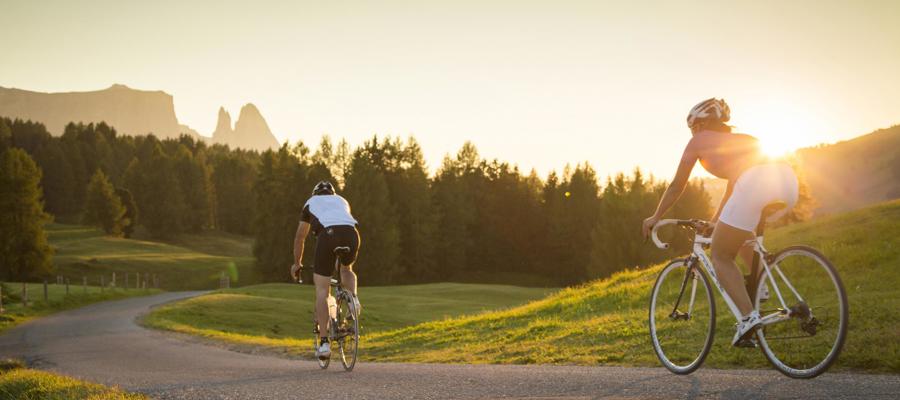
(323,287)
(324,267)
(348,278)
(726,242)
(350,238)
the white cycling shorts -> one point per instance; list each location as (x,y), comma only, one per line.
(756,188)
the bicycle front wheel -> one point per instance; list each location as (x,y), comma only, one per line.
(348,332)
(682,317)
(810,340)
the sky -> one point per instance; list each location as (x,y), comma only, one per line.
(538,84)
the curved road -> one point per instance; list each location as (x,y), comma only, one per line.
(102,343)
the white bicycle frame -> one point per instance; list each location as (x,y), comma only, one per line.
(757,244)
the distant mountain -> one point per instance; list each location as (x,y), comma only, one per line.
(846,175)
(132,112)
(250,131)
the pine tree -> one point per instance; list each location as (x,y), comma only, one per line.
(24,251)
(103,207)
(130,219)
(367,192)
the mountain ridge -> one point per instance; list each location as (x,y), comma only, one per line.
(131,111)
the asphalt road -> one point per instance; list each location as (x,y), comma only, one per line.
(102,343)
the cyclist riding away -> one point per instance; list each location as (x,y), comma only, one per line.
(328,216)
(754,181)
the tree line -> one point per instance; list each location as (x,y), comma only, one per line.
(473,219)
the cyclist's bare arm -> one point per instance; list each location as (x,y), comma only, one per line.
(673,192)
(299,240)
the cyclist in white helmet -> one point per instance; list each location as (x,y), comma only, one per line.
(328,216)
(753,182)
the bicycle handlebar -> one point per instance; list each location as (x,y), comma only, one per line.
(661,223)
(695,224)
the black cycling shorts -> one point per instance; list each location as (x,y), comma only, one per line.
(328,239)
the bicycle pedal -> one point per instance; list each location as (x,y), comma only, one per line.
(748,343)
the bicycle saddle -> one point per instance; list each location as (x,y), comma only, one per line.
(768,211)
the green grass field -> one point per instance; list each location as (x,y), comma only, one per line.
(19,383)
(605,322)
(602,322)
(78,296)
(188,262)
(281,314)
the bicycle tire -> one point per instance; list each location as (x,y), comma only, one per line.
(349,327)
(665,359)
(840,337)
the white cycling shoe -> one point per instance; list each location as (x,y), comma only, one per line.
(324,351)
(746,327)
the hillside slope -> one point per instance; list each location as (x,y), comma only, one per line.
(846,175)
(192,262)
(854,173)
(605,322)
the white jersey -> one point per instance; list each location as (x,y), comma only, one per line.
(327,210)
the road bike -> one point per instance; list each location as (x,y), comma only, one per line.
(804,325)
(343,329)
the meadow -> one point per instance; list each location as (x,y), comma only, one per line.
(600,322)
(280,315)
(186,262)
(17,382)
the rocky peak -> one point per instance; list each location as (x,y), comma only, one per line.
(223,132)
(251,130)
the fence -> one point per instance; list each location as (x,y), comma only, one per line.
(141,282)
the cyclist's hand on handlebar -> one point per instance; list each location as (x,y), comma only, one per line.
(648,225)
(295,271)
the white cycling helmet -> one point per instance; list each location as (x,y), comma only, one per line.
(709,109)
(323,187)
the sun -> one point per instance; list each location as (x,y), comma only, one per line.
(777,147)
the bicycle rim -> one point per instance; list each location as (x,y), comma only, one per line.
(349,331)
(805,345)
(682,336)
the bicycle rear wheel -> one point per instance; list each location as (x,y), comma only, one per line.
(682,317)
(348,330)
(807,343)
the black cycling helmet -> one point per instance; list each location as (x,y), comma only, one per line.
(323,187)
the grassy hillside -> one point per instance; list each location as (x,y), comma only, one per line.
(854,173)
(281,314)
(57,300)
(189,262)
(28,384)
(605,322)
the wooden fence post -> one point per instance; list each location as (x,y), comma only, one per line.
(113,284)
(46,297)
(1,299)
(24,294)
(67,286)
